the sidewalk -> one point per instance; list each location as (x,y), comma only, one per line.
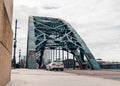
(27,77)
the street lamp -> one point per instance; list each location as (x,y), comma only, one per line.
(19,57)
(14,53)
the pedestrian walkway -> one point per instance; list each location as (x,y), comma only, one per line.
(31,77)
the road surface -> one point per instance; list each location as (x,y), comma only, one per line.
(30,77)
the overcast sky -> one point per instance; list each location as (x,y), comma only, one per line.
(96,21)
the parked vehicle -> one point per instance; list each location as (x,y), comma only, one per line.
(55,65)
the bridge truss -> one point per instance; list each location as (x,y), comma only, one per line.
(53,33)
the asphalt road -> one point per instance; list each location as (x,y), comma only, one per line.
(27,77)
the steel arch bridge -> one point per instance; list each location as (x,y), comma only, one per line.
(51,33)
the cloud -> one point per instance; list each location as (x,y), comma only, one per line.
(50,7)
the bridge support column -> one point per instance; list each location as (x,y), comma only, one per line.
(67,59)
(73,62)
(41,57)
(62,55)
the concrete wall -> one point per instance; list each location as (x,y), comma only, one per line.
(6,37)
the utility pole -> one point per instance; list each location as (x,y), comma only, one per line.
(14,53)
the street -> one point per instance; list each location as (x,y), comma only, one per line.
(31,77)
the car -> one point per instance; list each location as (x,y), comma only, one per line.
(55,65)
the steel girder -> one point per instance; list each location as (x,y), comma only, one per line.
(45,32)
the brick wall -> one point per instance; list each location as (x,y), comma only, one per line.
(6,37)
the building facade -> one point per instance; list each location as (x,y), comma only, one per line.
(6,38)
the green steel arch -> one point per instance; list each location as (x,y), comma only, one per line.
(51,33)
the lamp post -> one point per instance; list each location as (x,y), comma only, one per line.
(14,53)
(19,56)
